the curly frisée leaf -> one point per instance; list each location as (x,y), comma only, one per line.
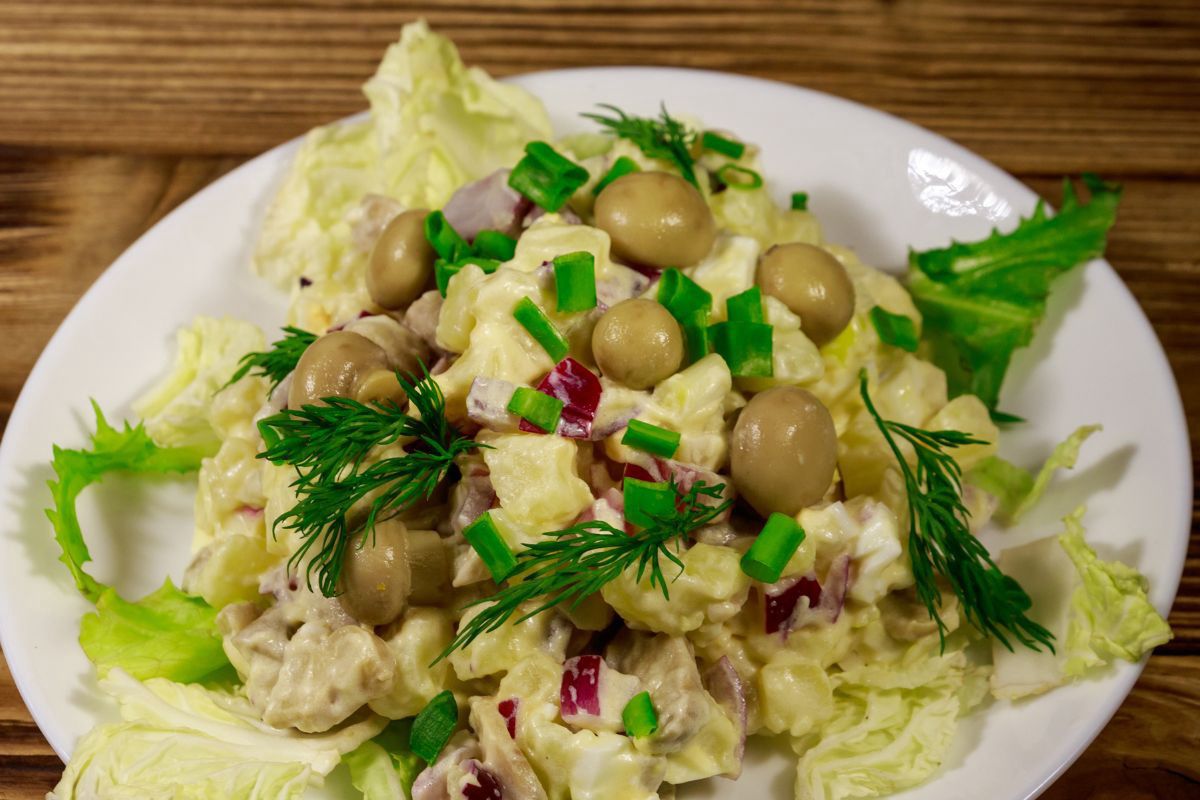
(981,301)
(166,634)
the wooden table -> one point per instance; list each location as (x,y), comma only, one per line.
(113,112)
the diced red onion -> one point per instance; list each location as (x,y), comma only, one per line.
(579,389)
(422,317)
(783,611)
(250,511)
(508,710)
(726,687)
(472,496)
(486,204)
(487,404)
(484,786)
(579,691)
(609,507)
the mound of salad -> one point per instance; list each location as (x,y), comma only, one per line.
(579,461)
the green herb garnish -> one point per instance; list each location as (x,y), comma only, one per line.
(328,444)
(895,329)
(278,362)
(567,566)
(665,138)
(983,300)
(940,542)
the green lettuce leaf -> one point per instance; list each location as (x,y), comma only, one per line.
(1018,490)
(1098,611)
(175,411)
(892,726)
(165,634)
(177,741)
(1112,616)
(385,768)
(434,126)
(983,300)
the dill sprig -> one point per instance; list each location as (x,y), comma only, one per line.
(328,444)
(940,542)
(665,138)
(569,565)
(278,362)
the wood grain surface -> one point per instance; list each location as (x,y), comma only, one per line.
(111,113)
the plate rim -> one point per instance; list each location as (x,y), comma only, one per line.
(23,406)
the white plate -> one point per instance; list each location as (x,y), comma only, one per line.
(878,184)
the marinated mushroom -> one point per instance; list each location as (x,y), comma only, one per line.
(638,343)
(380,386)
(332,366)
(783,451)
(391,569)
(813,284)
(656,219)
(401,264)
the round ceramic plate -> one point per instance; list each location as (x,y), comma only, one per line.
(877,183)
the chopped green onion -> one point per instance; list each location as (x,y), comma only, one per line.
(536,408)
(575,281)
(895,329)
(774,547)
(546,177)
(484,537)
(622,166)
(741,178)
(648,501)
(651,439)
(434,726)
(494,244)
(746,307)
(746,347)
(719,144)
(444,239)
(534,320)
(639,717)
(799,201)
(444,270)
(696,338)
(681,295)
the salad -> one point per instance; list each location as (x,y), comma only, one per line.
(578,462)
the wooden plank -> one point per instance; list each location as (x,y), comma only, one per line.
(1034,88)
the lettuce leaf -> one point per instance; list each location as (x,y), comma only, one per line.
(1112,616)
(175,411)
(186,741)
(892,725)
(1098,611)
(165,634)
(385,768)
(983,300)
(434,126)
(1018,490)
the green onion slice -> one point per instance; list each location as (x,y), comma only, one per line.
(651,439)
(895,329)
(648,501)
(496,245)
(746,307)
(536,408)
(485,538)
(740,178)
(681,295)
(434,726)
(774,547)
(799,201)
(575,281)
(719,144)
(546,177)
(444,239)
(639,717)
(746,347)
(534,320)
(696,338)
(622,166)
(444,270)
